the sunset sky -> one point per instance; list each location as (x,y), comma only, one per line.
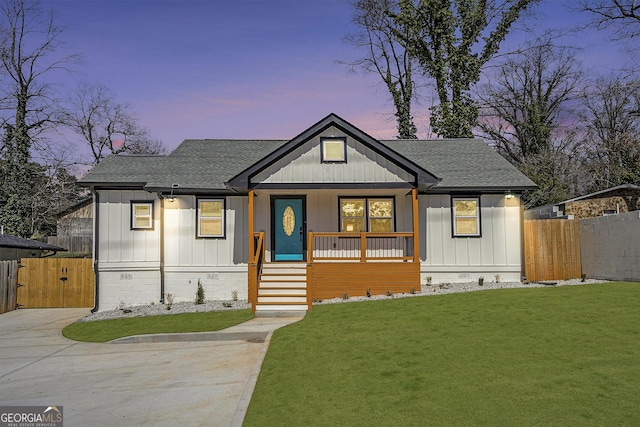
(249,69)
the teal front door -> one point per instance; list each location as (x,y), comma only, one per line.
(288,225)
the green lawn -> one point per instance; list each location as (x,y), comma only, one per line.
(106,330)
(541,356)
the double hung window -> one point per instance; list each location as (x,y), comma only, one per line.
(366,214)
(466,216)
(211,218)
(142,215)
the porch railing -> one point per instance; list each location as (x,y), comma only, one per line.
(362,247)
(255,267)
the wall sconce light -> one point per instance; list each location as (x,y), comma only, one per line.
(171,196)
(509,195)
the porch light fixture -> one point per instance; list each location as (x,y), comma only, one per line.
(173,187)
(509,195)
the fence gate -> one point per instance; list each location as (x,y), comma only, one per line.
(552,249)
(55,282)
(8,282)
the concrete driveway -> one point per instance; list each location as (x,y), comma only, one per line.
(192,383)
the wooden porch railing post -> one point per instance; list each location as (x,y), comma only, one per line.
(363,247)
(310,247)
(416,225)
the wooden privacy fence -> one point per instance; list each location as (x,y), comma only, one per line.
(8,285)
(552,249)
(55,282)
(77,244)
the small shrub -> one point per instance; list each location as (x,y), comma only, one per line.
(122,305)
(234,295)
(413,291)
(480,281)
(583,277)
(428,279)
(345,296)
(389,293)
(227,304)
(200,293)
(368,292)
(169,299)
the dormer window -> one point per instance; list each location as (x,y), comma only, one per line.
(334,150)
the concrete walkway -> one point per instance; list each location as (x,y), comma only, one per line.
(166,382)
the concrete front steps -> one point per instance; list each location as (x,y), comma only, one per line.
(282,288)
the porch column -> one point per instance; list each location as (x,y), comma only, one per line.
(416,226)
(252,249)
(252,290)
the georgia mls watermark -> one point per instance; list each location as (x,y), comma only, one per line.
(31,416)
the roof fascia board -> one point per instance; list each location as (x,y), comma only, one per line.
(241,180)
(101,185)
(484,190)
(597,193)
(336,186)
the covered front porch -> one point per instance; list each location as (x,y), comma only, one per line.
(335,262)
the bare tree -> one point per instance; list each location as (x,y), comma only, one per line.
(622,16)
(613,138)
(386,57)
(529,99)
(106,126)
(30,55)
(29,52)
(526,109)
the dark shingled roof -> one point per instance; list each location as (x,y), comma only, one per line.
(463,164)
(7,241)
(200,165)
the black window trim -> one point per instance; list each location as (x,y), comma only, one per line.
(366,209)
(132,203)
(224,217)
(333,138)
(453,215)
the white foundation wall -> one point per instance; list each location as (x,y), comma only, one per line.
(496,255)
(128,288)
(218,284)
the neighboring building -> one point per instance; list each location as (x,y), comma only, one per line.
(76,220)
(15,248)
(331,212)
(620,199)
(74,228)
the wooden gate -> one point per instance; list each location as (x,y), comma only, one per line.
(8,283)
(552,249)
(55,282)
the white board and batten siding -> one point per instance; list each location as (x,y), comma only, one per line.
(220,264)
(463,259)
(129,266)
(304,165)
(129,260)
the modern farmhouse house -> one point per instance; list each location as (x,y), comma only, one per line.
(330,212)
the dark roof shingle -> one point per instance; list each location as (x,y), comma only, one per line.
(207,164)
(8,241)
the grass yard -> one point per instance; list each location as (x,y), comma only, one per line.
(106,330)
(541,356)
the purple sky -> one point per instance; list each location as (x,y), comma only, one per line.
(242,68)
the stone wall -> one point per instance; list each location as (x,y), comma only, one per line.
(621,201)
